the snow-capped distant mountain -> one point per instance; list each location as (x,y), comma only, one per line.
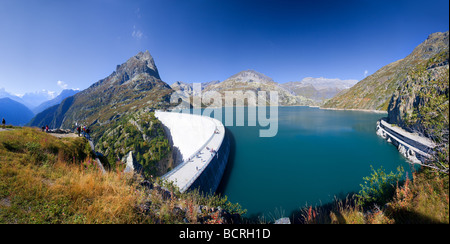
(57,100)
(34,99)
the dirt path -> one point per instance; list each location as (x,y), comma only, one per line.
(70,135)
(59,135)
(1,129)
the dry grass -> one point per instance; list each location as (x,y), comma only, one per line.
(99,198)
(423,200)
(339,212)
(50,180)
(44,179)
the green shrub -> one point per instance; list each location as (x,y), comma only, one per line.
(379,187)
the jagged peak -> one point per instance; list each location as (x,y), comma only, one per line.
(249,76)
(435,43)
(179,83)
(144,56)
(140,63)
(438,35)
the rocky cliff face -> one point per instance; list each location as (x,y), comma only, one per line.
(423,97)
(183,88)
(375,91)
(421,106)
(142,63)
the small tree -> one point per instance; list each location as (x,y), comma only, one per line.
(379,187)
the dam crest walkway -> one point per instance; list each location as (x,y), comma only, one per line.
(198,138)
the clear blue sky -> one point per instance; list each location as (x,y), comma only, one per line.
(80,42)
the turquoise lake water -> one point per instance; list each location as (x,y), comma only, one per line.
(315,156)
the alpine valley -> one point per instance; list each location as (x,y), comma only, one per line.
(117,108)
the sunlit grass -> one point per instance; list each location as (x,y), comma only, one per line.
(44,179)
(422,200)
(49,180)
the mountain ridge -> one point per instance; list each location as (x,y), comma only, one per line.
(55,101)
(15,113)
(241,83)
(375,91)
(131,81)
(318,89)
(309,91)
(30,99)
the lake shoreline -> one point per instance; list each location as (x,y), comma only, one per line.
(353,109)
(309,106)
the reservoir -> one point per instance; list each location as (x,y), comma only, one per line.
(316,155)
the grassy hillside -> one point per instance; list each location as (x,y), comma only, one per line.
(141,133)
(44,179)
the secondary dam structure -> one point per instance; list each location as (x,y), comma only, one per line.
(415,148)
(201,149)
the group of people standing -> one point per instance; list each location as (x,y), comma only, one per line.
(45,128)
(84,130)
(80,129)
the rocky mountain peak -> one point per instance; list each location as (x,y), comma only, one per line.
(182,86)
(434,44)
(141,63)
(144,55)
(438,35)
(250,76)
(133,86)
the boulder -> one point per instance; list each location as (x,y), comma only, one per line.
(283,221)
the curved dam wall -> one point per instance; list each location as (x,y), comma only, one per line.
(187,133)
(201,149)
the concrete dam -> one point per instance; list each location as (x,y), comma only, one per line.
(201,149)
(415,148)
